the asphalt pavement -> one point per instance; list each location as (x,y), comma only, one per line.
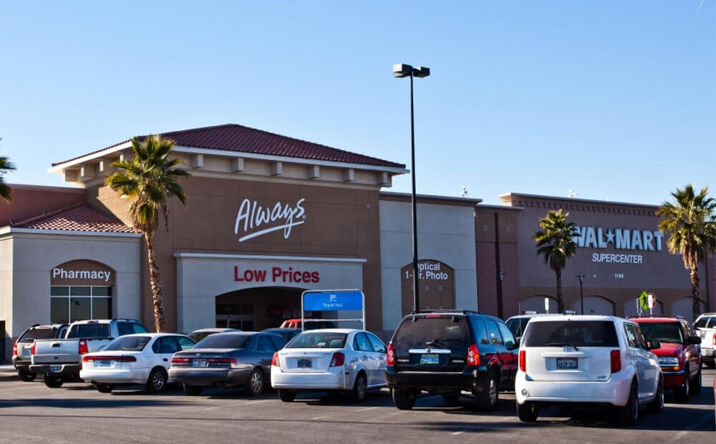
(77,413)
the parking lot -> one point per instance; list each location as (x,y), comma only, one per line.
(78,413)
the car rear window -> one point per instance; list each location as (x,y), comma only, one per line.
(89,331)
(318,340)
(571,332)
(128,343)
(517,325)
(38,333)
(662,331)
(442,331)
(224,340)
(315,325)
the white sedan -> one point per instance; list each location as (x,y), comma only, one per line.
(329,359)
(134,359)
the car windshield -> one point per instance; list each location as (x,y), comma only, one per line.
(89,331)
(438,331)
(662,331)
(224,340)
(37,333)
(128,343)
(318,340)
(517,325)
(570,332)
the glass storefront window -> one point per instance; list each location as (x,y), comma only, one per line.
(70,303)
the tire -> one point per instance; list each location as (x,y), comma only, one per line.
(104,388)
(528,412)
(53,381)
(157,381)
(192,390)
(451,398)
(657,405)
(360,388)
(682,392)
(286,395)
(695,383)
(26,376)
(487,394)
(404,399)
(629,414)
(256,383)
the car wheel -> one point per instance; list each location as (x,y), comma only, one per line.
(486,394)
(256,382)
(193,390)
(695,383)
(104,388)
(53,381)
(629,414)
(451,398)
(682,392)
(157,381)
(26,376)
(657,405)
(360,388)
(527,412)
(286,395)
(404,399)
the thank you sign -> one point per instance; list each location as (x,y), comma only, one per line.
(340,300)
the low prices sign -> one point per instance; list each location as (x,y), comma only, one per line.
(436,285)
(286,275)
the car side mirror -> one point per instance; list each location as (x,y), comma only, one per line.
(653,344)
(509,345)
(693,340)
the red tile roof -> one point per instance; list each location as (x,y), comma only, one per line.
(242,139)
(75,218)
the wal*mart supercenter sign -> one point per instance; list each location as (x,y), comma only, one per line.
(333,300)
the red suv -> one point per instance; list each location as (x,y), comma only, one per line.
(679,354)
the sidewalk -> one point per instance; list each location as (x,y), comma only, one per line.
(7,373)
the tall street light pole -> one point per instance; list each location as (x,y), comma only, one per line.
(399,71)
(580,276)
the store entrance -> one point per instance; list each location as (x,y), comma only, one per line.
(257,308)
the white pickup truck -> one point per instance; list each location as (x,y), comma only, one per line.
(705,326)
(60,360)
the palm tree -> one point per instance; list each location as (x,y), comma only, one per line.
(5,166)
(150,178)
(555,242)
(690,222)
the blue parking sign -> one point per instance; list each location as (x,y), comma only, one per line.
(340,300)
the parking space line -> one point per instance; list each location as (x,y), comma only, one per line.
(318,417)
(365,409)
(460,432)
(683,433)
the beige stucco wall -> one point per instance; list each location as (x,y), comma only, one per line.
(6,291)
(35,254)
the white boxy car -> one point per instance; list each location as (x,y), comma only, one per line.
(329,359)
(142,358)
(588,361)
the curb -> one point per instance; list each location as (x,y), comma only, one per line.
(9,376)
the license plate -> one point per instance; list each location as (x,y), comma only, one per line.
(566,363)
(304,363)
(55,368)
(429,359)
(103,363)
(198,363)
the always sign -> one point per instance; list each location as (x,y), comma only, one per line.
(253,220)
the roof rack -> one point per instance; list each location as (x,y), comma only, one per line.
(446,310)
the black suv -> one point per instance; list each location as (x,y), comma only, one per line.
(446,352)
(21,348)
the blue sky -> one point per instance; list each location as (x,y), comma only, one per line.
(614,100)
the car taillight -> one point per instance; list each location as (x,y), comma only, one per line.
(523,361)
(181,360)
(108,358)
(14,349)
(32,350)
(83,347)
(275,361)
(338,359)
(615,357)
(390,355)
(473,356)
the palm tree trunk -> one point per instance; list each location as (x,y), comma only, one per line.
(560,301)
(695,302)
(159,320)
